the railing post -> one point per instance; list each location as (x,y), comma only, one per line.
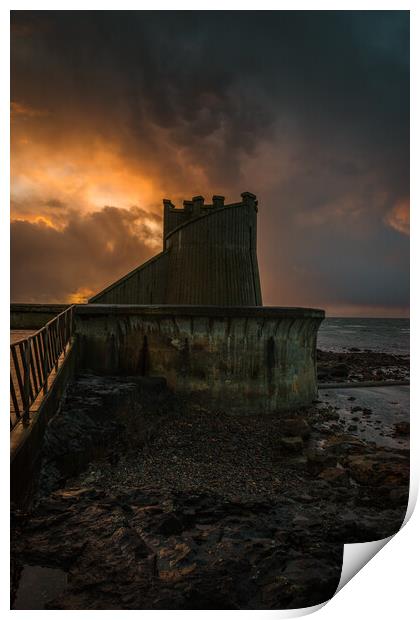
(66,329)
(26,380)
(45,358)
(71,321)
(56,334)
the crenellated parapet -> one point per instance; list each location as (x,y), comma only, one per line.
(196,207)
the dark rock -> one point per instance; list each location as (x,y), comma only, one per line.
(399,496)
(319,460)
(335,475)
(344,444)
(402,428)
(240,520)
(339,370)
(291,444)
(295,427)
(330,414)
(379,468)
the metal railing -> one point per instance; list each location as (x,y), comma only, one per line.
(33,359)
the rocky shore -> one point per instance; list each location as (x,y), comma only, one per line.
(147,501)
(356,365)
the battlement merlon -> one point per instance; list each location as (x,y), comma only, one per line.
(173,217)
(218,201)
(250,199)
(197,203)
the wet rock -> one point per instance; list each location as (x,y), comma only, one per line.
(402,428)
(304,498)
(297,461)
(330,413)
(342,444)
(339,371)
(291,444)
(300,520)
(237,521)
(399,496)
(335,475)
(126,560)
(378,469)
(323,374)
(357,526)
(361,366)
(168,524)
(295,427)
(319,460)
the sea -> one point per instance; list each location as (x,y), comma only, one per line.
(379,335)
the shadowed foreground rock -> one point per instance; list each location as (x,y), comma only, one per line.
(141,549)
(150,502)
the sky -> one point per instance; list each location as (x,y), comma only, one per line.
(113,111)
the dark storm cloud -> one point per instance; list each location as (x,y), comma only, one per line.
(87,254)
(195,74)
(308,109)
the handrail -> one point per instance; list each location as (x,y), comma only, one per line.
(33,359)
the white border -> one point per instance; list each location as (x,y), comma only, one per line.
(387,586)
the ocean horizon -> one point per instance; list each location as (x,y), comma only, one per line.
(383,335)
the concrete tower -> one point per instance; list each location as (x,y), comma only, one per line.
(209,257)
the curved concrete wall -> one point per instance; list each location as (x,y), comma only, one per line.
(244,358)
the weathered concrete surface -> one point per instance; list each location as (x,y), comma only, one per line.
(245,358)
(33,316)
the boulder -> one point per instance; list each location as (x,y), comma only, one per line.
(335,475)
(339,370)
(291,444)
(346,444)
(319,460)
(377,469)
(295,427)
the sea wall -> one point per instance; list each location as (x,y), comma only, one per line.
(244,358)
(33,316)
